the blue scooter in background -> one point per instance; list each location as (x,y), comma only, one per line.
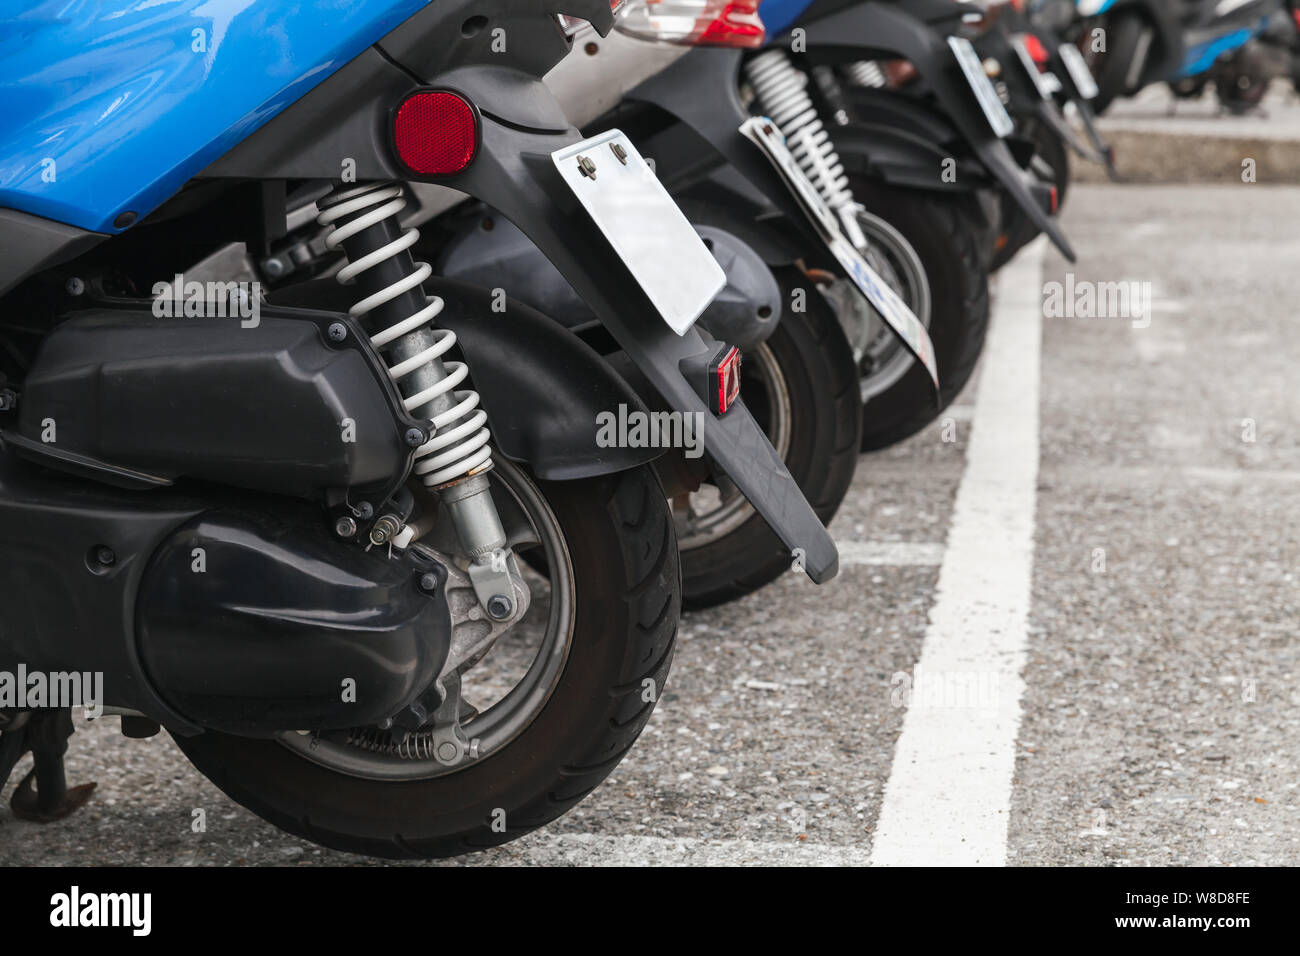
(1239,46)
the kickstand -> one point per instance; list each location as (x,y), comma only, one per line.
(43,795)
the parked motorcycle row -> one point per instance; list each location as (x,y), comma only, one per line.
(381,384)
(1234,47)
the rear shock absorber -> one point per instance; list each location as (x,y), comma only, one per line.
(398,315)
(866,73)
(781,89)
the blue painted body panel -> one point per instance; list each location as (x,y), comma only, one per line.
(108,107)
(780,15)
(1201,57)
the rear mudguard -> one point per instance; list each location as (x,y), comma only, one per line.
(882,31)
(541,386)
(1167,45)
(513,172)
(906,157)
(715,119)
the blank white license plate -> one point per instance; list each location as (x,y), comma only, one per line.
(985,94)
(1077,67)
(644,226)
(894,311)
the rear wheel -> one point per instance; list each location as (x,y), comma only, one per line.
(1111,67)
(562,697)
(932,254)
(801,387)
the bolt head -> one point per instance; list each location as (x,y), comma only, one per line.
(428,581)
(105,556)
(415,437)
(274,267)
(500,607)
(338,331)
(75,286)
(447,752)
(345,527)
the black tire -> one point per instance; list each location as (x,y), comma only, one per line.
(816,362)
(1239,99)
(626,598)
(1110,69)
(948,234)
(1018,229)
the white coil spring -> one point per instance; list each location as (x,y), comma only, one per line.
(462,449)
(781,90)
(866,73)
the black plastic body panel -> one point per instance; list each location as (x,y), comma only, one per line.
(30,243)
(282,617)
(883,30)
(513,173)
(540,385)
(265,408)
(63,612)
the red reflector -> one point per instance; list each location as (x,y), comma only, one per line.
(434,133)
(1036,49)
(1054,200)
(737,25)
(726,384)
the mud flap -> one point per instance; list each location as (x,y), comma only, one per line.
(514,172)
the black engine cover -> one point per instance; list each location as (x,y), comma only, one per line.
(137,400)
(250,625)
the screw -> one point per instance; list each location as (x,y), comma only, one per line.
(384,528)
(586,167)
(274,267)
(428,581)
(619,152)
(338,331)
(105,556)
(75,286)
(500,607)
(415,437)
(345,527)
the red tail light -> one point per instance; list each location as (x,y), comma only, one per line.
(694,22)
(724,381)
(435,133)
(1036,50)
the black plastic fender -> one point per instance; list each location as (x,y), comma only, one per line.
(1167,47)
(881,30)
(715,121)
(512,171)
(514,174)
(541,386)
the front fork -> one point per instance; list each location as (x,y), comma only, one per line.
(453,458)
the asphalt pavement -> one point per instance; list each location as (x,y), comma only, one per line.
(1095,554)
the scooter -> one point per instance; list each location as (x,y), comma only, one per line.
(1127,44)
(1239,47)
(285,528)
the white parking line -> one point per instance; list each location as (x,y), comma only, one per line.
(949,790)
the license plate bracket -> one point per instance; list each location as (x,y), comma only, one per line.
(764,133)
(643,225)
